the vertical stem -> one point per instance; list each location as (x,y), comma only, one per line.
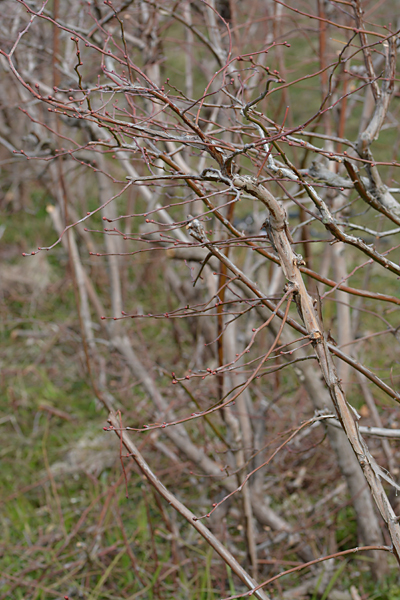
(187,13)
(56,44)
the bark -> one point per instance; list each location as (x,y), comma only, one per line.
(289,261)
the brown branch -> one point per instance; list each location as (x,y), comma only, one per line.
(289,263)
(182,509)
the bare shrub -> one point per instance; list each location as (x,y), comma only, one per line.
(223,177)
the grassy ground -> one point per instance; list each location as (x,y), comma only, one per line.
(67,527)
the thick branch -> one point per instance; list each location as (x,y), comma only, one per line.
(289,262)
